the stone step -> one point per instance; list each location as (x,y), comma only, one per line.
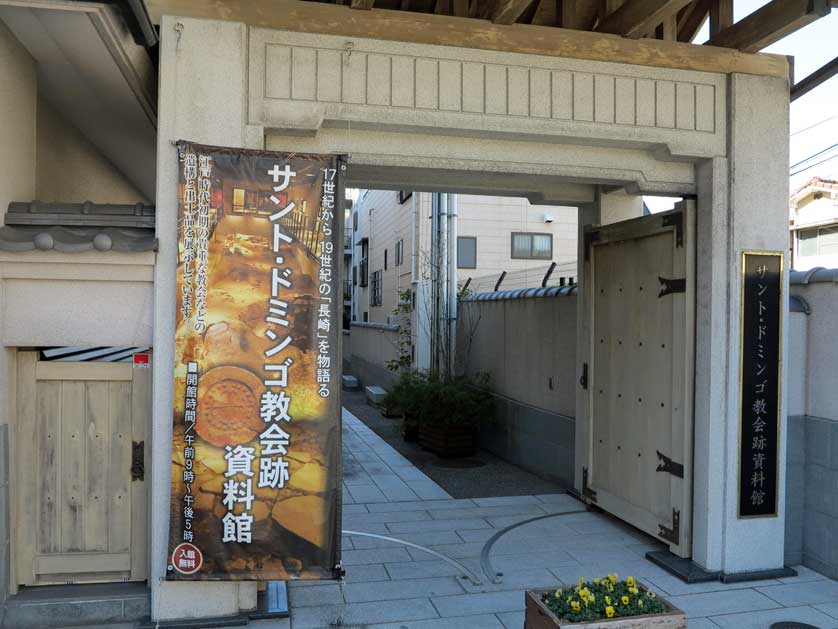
(350,383)
(375,395)
(114,605)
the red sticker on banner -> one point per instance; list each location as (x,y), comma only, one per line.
(187,559)
(141,361)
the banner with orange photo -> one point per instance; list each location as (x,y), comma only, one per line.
(256,475)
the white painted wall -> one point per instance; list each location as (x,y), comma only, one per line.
(71,169)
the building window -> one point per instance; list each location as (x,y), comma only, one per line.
(531,246)
(385,259)
(399,252)
(818,241)
(375,293)
(354,276)
(404,195)
(355,221)
(466,252)
(363,270)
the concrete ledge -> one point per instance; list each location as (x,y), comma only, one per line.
(539,441)
(77,606)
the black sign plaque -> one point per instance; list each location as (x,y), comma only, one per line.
(761,333)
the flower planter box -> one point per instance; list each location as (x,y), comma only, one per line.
(448,440)
(538,616)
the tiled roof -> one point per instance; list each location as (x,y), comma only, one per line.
(76,227)
(76,239)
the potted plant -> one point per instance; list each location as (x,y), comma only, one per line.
(450,415)
(407,396)
(605,603)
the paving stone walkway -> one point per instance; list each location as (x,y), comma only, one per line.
(392,586)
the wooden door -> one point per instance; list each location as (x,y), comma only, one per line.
(80,493)
(640,295)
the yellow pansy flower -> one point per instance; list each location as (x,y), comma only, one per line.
(631,582)
(650,594)
(640,603)
(613,579)
(597,580)
(607,600)
(575,606)
(634,590)
(581,581)
(609,611)
(558,594)
(625,600)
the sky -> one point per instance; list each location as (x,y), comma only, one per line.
(813,124)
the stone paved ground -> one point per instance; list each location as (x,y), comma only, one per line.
(395,587)
(491,476)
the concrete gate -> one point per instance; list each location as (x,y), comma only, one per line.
(556,129)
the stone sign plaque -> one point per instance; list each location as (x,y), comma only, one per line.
(760,365)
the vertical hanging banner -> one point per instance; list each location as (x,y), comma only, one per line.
(256,476)
(761,332)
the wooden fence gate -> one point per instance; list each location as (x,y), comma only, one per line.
(639,294)
(79,490)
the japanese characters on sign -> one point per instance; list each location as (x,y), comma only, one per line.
(760,381)
(256,439)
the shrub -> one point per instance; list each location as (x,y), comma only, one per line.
(603,598)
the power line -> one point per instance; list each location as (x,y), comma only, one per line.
(803,170)
(812,126)
(814,155)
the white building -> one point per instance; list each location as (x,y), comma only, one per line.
(813,221)
(391,232)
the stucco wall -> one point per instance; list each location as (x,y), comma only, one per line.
(367,349)
(70,169)
(812,462)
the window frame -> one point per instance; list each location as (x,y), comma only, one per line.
(473,238)
(404,195)
(376,283)
(530,256)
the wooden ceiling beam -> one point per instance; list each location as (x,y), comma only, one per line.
(721,16)
(508,11)
(691,19)
(817,77)
(440,30)
(770,23)
(637,17)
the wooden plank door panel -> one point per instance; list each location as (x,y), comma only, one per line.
(79,516)
(640,391)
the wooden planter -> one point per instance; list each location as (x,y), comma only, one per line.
(448,440)
(538,616)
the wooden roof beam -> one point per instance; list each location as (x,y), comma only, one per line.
(817,77)
(508,11)
(770,23)
(691,19)
(635,18)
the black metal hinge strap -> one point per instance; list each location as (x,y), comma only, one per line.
(671,535)
(589,239)
(665,464)
(583,380)
(668,287)
(676,220)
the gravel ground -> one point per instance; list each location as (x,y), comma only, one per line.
(480,476)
